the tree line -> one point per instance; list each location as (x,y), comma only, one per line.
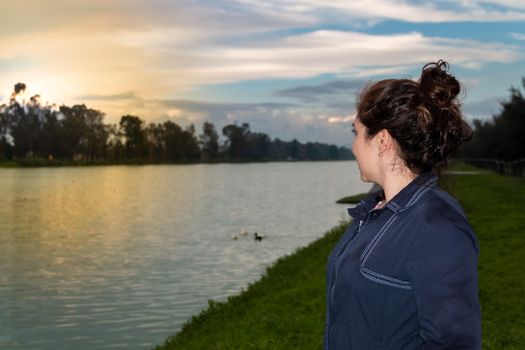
(32,130)
(503,136)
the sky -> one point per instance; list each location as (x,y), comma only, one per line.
(291,69)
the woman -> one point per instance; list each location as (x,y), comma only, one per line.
(404,274)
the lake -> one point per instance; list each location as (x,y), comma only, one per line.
(121,256)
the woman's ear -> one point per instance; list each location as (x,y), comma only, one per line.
(384,141)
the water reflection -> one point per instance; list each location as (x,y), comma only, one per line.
(121,256)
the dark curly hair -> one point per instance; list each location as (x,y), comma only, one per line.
(424,117)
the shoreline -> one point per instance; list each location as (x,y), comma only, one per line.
(59,163)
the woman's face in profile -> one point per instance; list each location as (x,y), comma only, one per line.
(364,151)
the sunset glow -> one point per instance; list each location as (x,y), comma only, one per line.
(202,60)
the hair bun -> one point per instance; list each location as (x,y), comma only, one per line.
(437,86)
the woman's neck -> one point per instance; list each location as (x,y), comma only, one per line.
(393,183)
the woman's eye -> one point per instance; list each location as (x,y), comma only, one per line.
(353,131)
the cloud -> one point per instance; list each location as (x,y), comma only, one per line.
(444,11)
(16,62)
(312,93)
(341,119)
(514,4)
(483,109)
(328,51)
(279,120)
(161,49)
(518,36)
(137,57)
(217,18)
(115,97)
(221,113)
(192,105)
(359,54)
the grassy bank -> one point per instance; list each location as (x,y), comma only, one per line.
(352,199)
(285,308)
(494,205)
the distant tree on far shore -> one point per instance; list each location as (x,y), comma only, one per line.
(32,130)
(209,141)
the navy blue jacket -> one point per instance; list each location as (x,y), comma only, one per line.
(405,276)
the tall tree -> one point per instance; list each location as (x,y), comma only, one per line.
(191,150)
(96,135)
(131,128)
(6,140)
(155,142)
(502,137)
(259,146)
(294,149)
(209,141)
(74,130)
(173,141)
(237,139)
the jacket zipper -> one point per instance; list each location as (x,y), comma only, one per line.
(336,263)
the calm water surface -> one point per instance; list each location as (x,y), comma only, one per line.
(122,256)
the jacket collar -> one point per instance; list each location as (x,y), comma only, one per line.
(406,198)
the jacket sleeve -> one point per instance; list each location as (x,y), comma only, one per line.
(443,269)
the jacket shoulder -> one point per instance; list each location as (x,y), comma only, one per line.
(437,206)
(444,232)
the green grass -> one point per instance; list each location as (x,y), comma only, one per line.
(494,205)
(285,309)
(8,164)
(352,199)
